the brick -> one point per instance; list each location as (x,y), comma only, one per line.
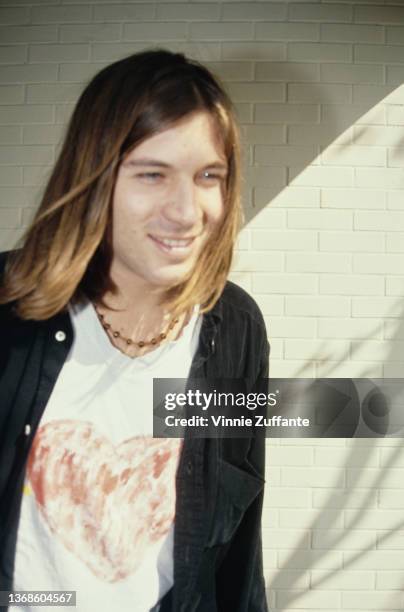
(287,31)
(320,219)
(394,75)
(264,177)
(53,93)
(315,476)
(11,94)
(254,51)
(393,330)
(344,115)
(302,559)
(26,114)
(289,577)
(388,580)
(354,156)
(199,11)
(394,242)
(378,264)
(10,176)
(290,497)
(377,307)
(59,53)
(221,31)
(284,155)
(395,115)
(335,32)
(354,73)
(90,32)
(295,518)
(232,71)
(300,92)
(391,178)
(292,327)
(26,155)
(395,200)
(274,11)
(287,71)
(29,34)
(395,286)
(257,92)
(318,306)
(283,240)
(268,218)
(258,261)
(34,176)
(263,196)
(13,54)
(60,14)
(123,12)
(36,134)
(349,328)
(63,113)
(320,12)
(338,457)
(349,369)
(297,197)
(353,198)
(271,305)
(291,368)
(394,35)
(322,176)
(284,538)
(284,283)
(286,113)
(359,284)
(387,351)
(14,15)
(318,262)
(373,94)
(16,196)
(107,52)
(352,241)
(9,238)
(335,538)
(395,157)
(268,134)
(319,52)
(379,14)
(10,218)
(154,31)
(10,134)
(81,72)
(378,53)
(244,112)
(317,134)
(29,73)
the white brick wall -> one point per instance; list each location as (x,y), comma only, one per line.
(319,91)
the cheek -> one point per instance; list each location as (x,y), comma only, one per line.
(215,208)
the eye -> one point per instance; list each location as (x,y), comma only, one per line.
(150,177)
(211,177)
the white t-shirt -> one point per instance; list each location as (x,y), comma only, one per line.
(99,496)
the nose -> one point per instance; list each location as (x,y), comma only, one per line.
(182,207)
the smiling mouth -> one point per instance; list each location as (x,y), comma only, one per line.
(173,244)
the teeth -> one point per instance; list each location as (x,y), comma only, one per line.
(174,243)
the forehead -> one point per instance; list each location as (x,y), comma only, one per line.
(195,137)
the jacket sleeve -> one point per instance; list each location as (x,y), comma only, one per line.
(241,583)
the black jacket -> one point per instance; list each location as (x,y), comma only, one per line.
(217,534)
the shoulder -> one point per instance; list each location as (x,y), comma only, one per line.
(235,300)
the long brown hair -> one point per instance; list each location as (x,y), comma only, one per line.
(66,252)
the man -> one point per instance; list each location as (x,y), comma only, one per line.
(122,278)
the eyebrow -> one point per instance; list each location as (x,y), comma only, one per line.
(160,164)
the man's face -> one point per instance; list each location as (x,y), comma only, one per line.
(168,198)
